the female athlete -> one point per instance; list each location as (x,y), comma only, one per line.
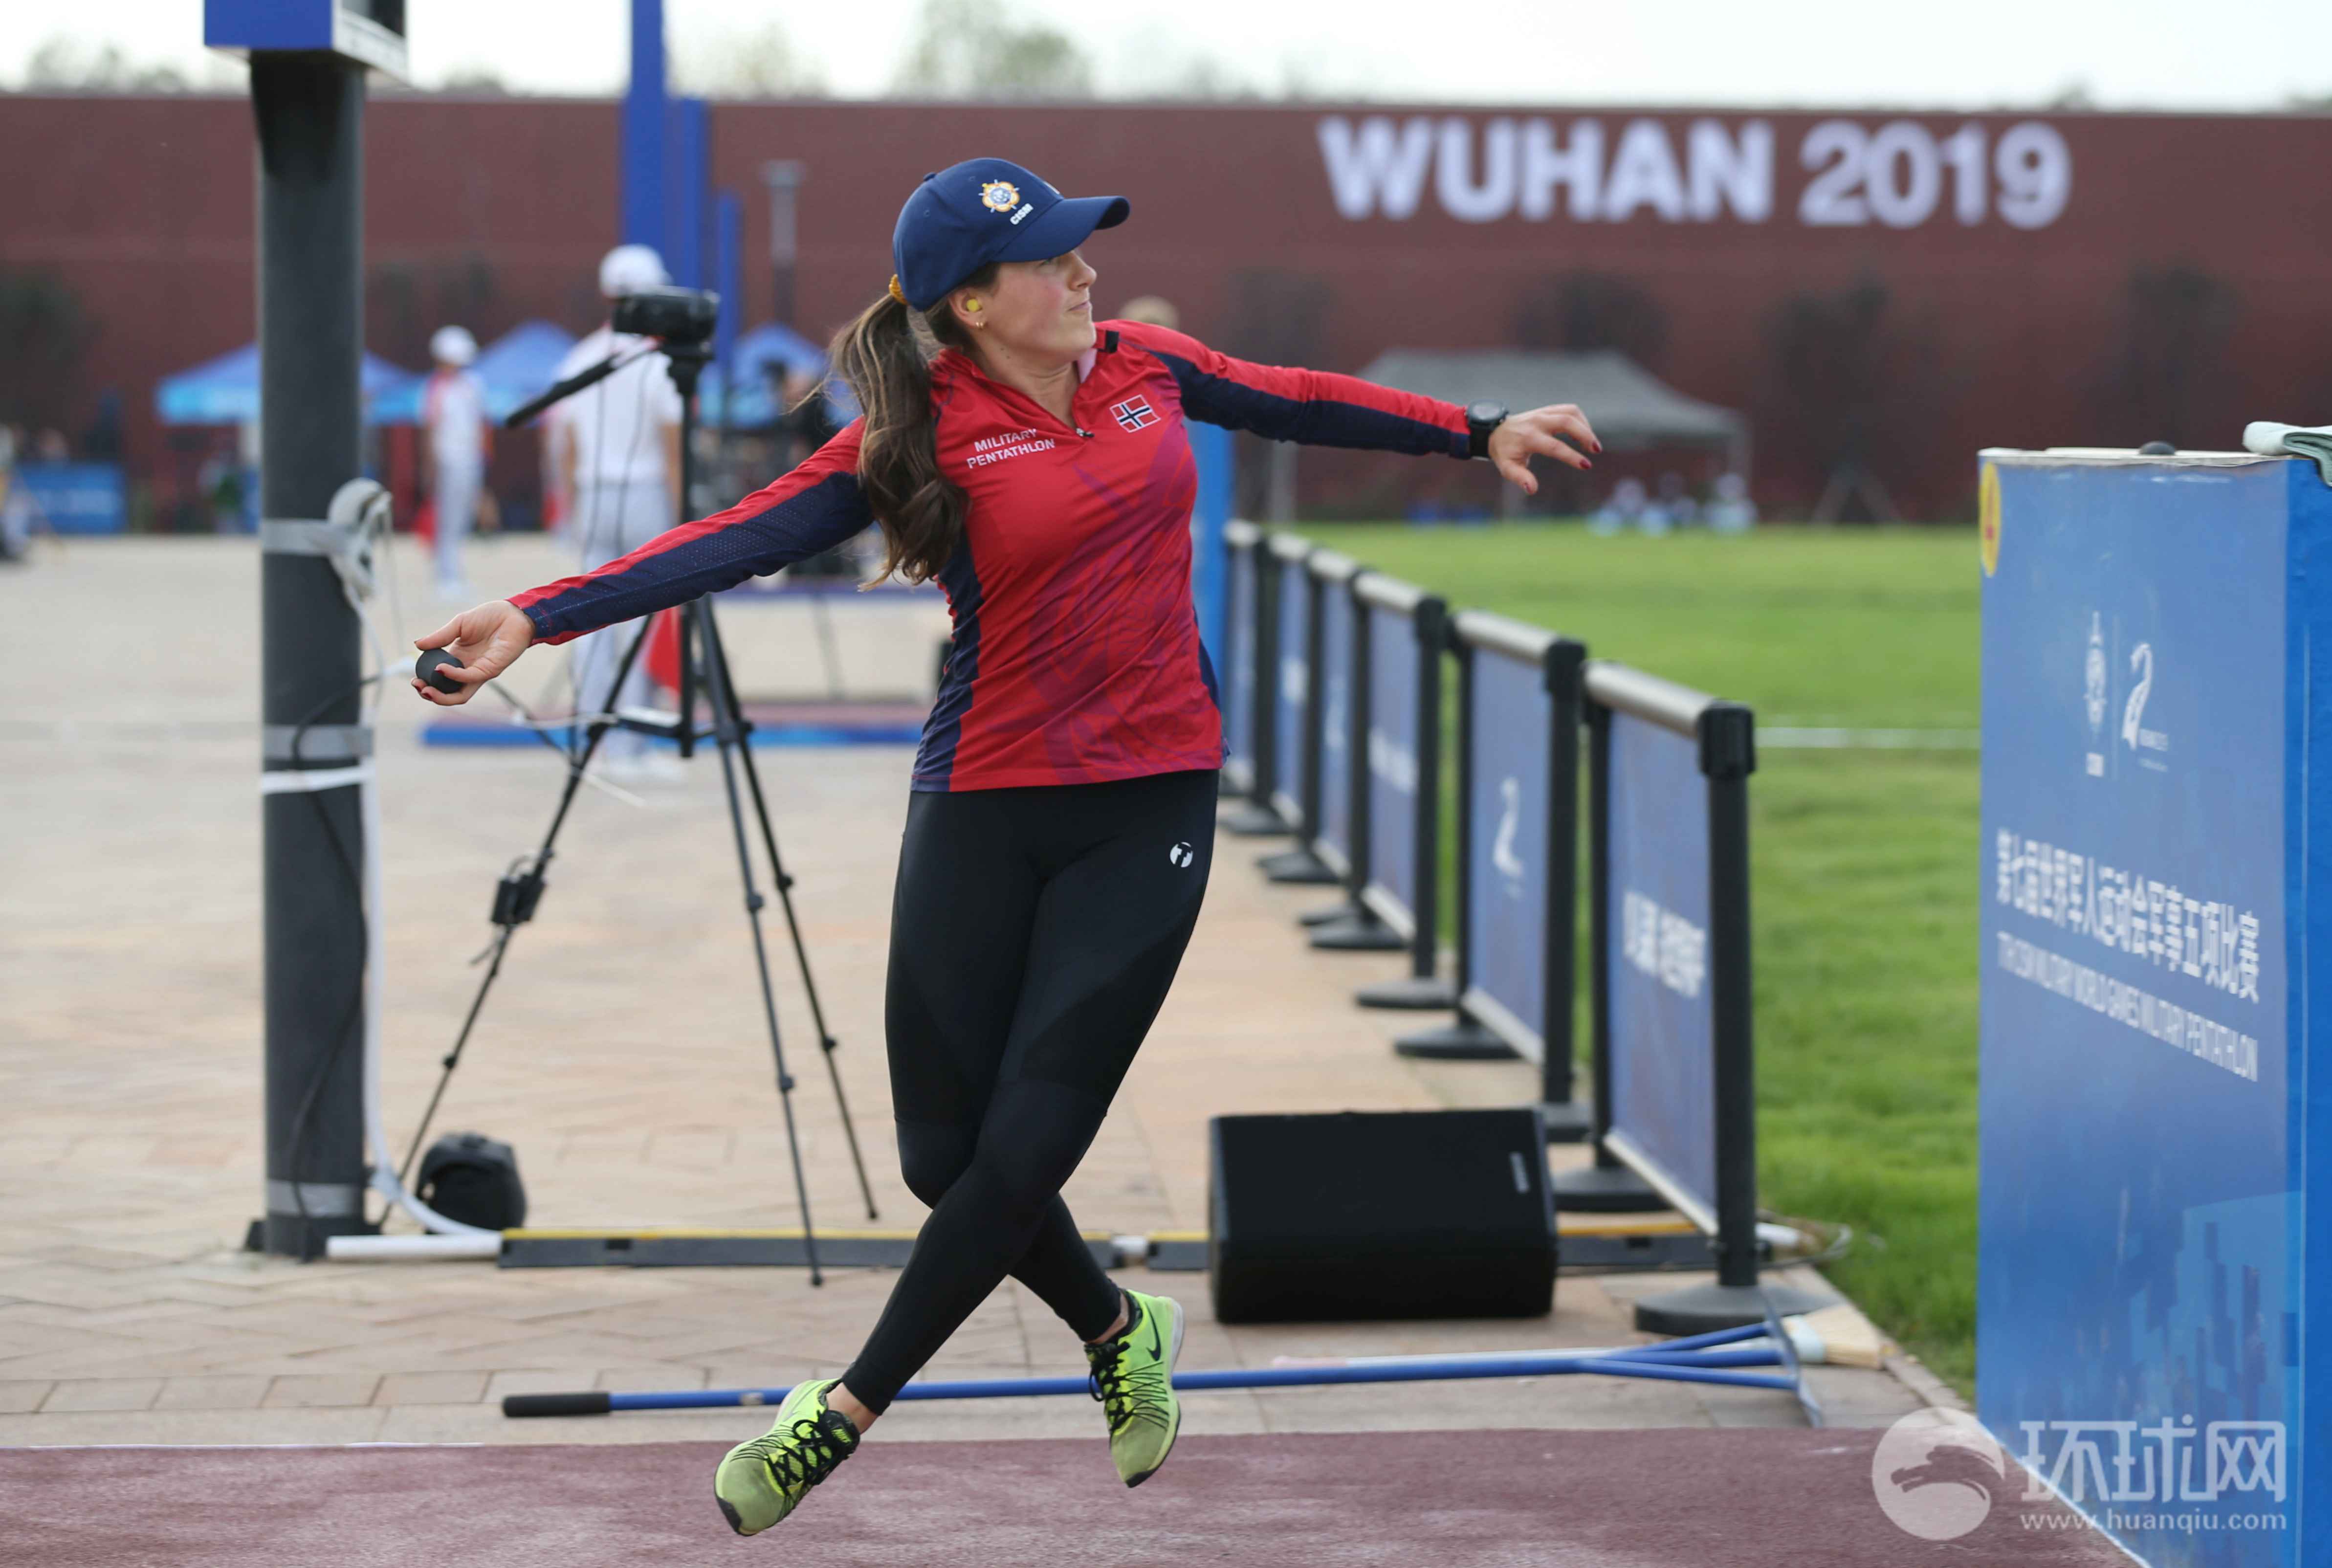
(1061,822)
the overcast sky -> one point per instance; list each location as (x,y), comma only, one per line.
(1968,53)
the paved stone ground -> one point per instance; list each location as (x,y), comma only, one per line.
(622,1054)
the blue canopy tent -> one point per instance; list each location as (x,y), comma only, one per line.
(767,354)
(519,365)
(226,390)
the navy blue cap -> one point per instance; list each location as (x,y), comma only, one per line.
(985,210)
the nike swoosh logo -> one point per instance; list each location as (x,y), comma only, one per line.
(1154,1351)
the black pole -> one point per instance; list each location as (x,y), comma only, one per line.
(1360,705)
(1462,918)
(1309,786)
(1263,722)
(309,111)
(1432,644)
(1566,1122)
(1607,1186)
(1599,921)
(1727,756)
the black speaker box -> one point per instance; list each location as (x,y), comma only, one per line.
(1369,1215)
(473,1178)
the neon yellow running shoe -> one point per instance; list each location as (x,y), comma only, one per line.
(1134,1379)
(762,1481)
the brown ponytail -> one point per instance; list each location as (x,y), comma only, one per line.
(882,356)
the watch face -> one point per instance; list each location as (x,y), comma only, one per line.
(1486,413)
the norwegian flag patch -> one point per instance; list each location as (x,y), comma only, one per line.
(1135,413)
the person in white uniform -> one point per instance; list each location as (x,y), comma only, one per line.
(454,453)
(614,462)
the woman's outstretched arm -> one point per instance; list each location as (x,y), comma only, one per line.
(813,508)
(1320,408)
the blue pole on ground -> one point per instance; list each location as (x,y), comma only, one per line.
(645,112)
(1711,1358)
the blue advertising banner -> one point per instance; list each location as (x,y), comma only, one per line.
(1662,1008)
(1334,841)
(1505,887)
(1391,891)
(2155,677)
(1238,668)
(74,497)
(1289,715)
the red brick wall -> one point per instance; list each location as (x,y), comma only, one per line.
(492,211)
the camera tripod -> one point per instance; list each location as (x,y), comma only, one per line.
(704,673)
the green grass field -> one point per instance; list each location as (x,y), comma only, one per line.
(1865,862)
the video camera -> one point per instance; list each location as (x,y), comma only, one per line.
(679,317)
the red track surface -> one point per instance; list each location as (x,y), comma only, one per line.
(1582,1499)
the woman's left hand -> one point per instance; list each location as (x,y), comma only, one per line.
(1539,431)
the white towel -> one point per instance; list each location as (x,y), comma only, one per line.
(2270,439)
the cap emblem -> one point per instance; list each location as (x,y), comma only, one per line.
(999,196)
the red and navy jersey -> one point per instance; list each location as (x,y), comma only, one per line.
(1076,656)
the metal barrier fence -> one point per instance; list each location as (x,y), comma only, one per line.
(1341,706)
(1394,778)
(1669,907)
(1518,720)
(1297,709)
(1249,720)
(1338,735)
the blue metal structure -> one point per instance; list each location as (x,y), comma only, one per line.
(2157,670)
(646,120)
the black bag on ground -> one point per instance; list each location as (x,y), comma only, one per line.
(1355,1216)
(473,1179)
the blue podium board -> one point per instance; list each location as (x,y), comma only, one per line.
(2158,669)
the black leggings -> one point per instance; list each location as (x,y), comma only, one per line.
(1033,936)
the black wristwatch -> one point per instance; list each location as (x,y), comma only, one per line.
(1481,419)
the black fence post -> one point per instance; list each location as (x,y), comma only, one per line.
(1567,1121)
